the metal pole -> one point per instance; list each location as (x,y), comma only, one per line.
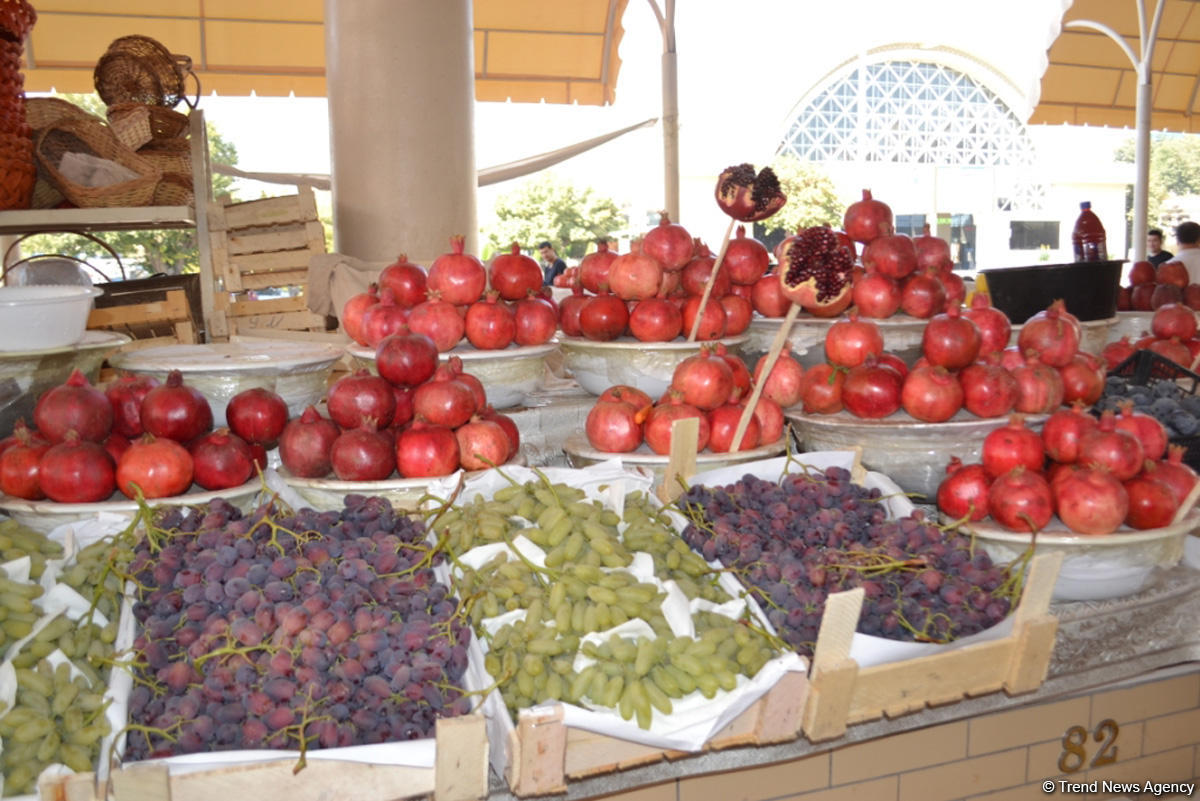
(1141,159)
(670,114)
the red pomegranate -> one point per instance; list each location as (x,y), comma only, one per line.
(815,272)
(406,360)
(667,243)
(768,297)
(1040,388)
(74,405)
(614,426)
(723,422)
(489,325)
(449,403)
(358,396)
(932,251)
(951,340)
(126,395)
(704,380)
(115,444)
(695,275)
(593,268)
(407,281)
(657,428)
(738,314)
(363,454)
(1012,445)
(353,310)
(510,428)
(931,394)
(256,415)
(424,451)
(867,219)
(19,465)
(655,320)
(76,471)
(458,277)
(821,389)
(1152,502)
(712,321)
(536,322)
(871,390)
(876,296)
(1141,296)
(154,467)
(769,415)
(1172,349)
(988,389)
(568,312)
(1173,272)
(746,259)
(305,444)
(221,459)
(1063,430)
(383,319)
(1055,338)
(1091,501)
(1173,472)
(439,320)
(1116,449)
(747,196)
(1020,500)
(635,275)
(849,342)
(1173,320)
(891,255)
(783,383)
(1142,272)
(1145,429)
(176,411)
(482,444)
(922,295)
(514,275)
(603,318)
(1116,352)
(963,493)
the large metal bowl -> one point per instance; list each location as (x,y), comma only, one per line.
(580,453)
(645,365)
(901,335)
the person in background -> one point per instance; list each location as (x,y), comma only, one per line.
(1187,237)
(1154,252)
(552,265)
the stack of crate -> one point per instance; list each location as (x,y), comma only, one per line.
(164,310)
(265,245)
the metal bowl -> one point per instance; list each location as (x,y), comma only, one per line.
(580,453)
(901,335)
(645,365)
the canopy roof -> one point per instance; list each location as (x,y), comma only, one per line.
(1091,81)
(525,50)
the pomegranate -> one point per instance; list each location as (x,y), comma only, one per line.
(815,273)
(536,322)
(1173,272)
(768,297)
(951,340)
(628,394)
(657,428)
(256,415)
(1012,445)
(876,296)
(922,295)
(867,219)
(458,277)
(1081,381)
(568,313)
(305,444)
(482,444)
(1091,501)
(1055,339)
(738,313)
(849,342)
(406,360)
(769,415)
(383,319)
(593,268)
(363,454)
(704,380)
(355,397)
(155,467)
(1165,295)
(510,429)
(353,310)
(603,318)
(404,406)
(712,321)
(871,390)
(489,325)
(821,389)
(1012,359)
(73,406)
(655,320)
(747,196)
(697,272)
(746,259)
(1063,430)
(424,450)
(1142,272)
(115,444)
(1140,297)
(1191,296)
(635,275)
(76,471)
(988,389)
(125,395)
(963,493)
(931,394)
(956,289)
(221,459)
(1145,429)
(784,381)
(669,285)
(614,426)
(723,423)
(932,251)
(1116,449)
(1173,320)
(438,320)
(1040,388)
(1116,352)
(1173,472)
(1125,299)
(407,281)
(890,255)
(1172,349)
(175,410)
(1152,502)
(449,403)
(1020,500)
(514,275)
(746,291)
(19,464)
(668,243)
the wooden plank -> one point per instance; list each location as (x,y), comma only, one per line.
(320,779)
(202,184)
(538,752)
(271,211)
(781,710)
(291,238)
(1031,658)
(259,334)
(264,280)
(461,769)
(271,262)
(73,787)
(185,332)
(681,465)
(172,309)
(828,706)
(142,782)
(231,279)
(245,308)
(301,320)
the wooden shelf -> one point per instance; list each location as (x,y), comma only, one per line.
(113,219)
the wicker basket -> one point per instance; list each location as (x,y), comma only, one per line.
(16,19)
(169,155)
(42,112)
(137,124)
(175,189)
(138,69)
(80,136)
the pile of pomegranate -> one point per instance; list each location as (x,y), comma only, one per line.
(653,292)
(416,418)
(136,436)
(1172,335)
(1094,475)
(966,363)
(713,387)
(454,301)
(1153,287)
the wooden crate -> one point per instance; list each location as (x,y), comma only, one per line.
(544,752)
(164,321)
(841,693)
(460,774)
(263,245)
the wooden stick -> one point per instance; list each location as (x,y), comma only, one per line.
(712,277)
(685,436)
(772,356)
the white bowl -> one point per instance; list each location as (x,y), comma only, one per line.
(913,453)
(580,453)
(42,317)
(297,371)
(1191,551)
(508,375)
(901,335)
(645,365)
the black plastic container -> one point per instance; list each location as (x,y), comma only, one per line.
(1088,288)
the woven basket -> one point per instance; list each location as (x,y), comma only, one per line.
(16,19)
(137,124)
(169,155)
(79,136)
(138,69)
(42,112)
(175,189)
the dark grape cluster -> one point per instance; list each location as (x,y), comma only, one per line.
(817,533)
(819,256)
(1165,401)
(299,630)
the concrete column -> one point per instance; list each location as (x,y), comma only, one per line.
(400,76)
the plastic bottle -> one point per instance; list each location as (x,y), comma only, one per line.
(1088,236)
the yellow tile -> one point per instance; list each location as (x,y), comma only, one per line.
(965,777)
(1026,792)
(1169,766)
(755,784)
(657,792)
(1147,700)
(874,790)
(1035,724)
(900,752)
(1172,731)
(1044,757)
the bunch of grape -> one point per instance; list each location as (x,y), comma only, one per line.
(298,630)
(816,533)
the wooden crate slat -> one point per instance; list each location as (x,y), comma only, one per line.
(272,211)
(280,279)
(271,262)
(245,308)
(320,779)
(461,767)
(301,320)
(174,308)
(290,238)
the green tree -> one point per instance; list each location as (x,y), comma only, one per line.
(143,253)
(1174,170)
(549,208)
(811,197)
